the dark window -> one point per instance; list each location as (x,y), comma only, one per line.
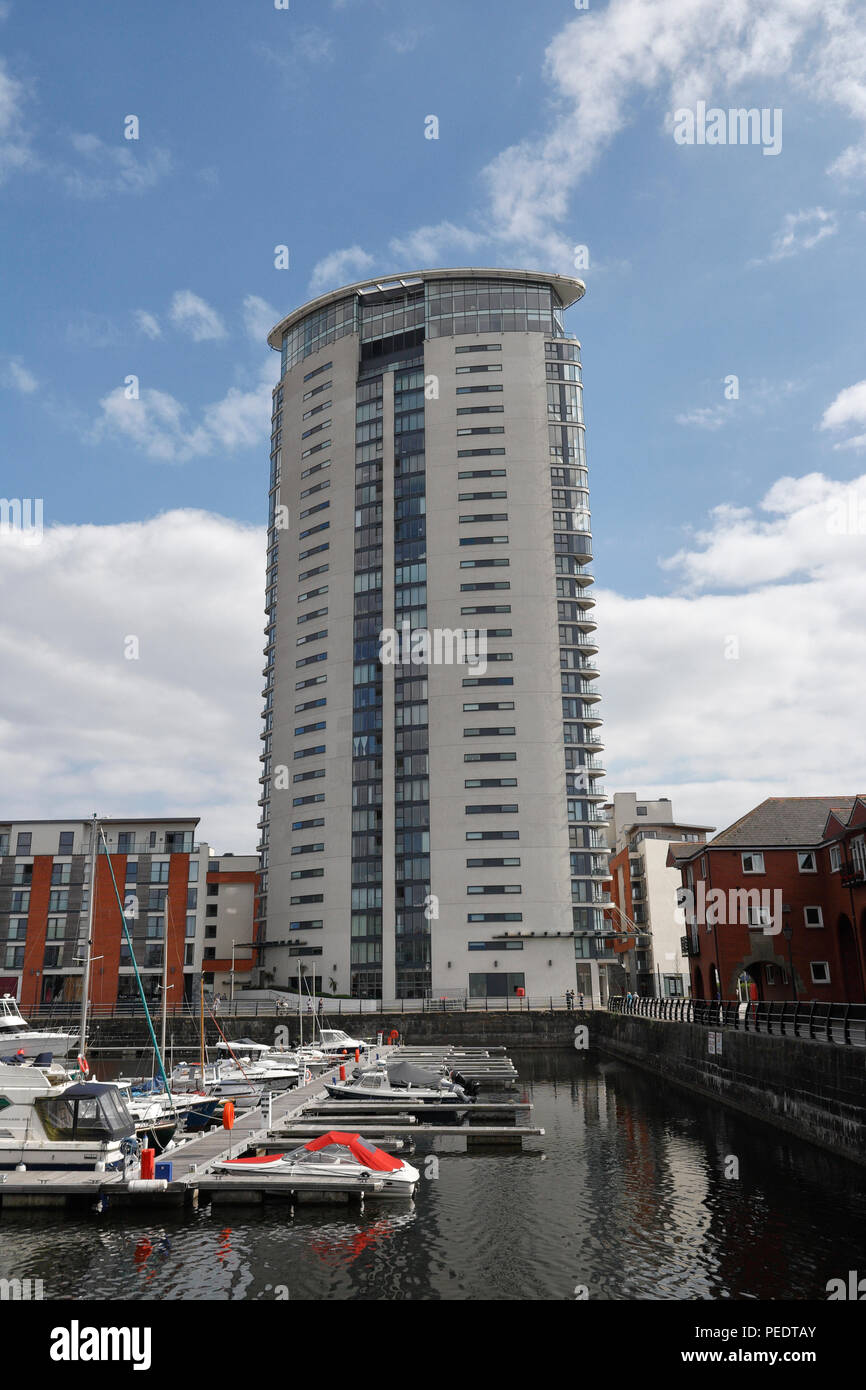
(67,838)
(25,839)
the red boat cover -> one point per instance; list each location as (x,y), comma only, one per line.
(370,1157)
(266,1158)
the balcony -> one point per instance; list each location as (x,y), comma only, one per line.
(583,663)
(852,875)
(594,769)
(143,847)
(583,739)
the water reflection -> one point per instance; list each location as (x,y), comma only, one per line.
(635,1192)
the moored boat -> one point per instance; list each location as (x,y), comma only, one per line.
(398,1084)
(16,1035)
(73,1124)
(333,1155)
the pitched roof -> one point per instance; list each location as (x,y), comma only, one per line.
(783,820)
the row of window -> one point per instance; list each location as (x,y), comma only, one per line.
(807,860)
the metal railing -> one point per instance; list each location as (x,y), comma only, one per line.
(841,1024)
(69,1013)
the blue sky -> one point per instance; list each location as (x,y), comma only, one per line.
(306,127)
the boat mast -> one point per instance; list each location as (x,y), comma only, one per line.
(300,1015)
(201,1025)
(88,954)
(165,973)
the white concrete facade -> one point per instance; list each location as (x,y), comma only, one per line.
(640,830)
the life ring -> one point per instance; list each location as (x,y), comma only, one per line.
(83,1065)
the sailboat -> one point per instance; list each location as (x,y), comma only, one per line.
(220,1080)
(157,1119)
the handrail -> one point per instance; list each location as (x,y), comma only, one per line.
(841,1024)
(59,1013)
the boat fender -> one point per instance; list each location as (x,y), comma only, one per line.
(147,1185)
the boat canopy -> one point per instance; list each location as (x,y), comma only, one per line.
(371,1158)
(89,1110)
(406,1074)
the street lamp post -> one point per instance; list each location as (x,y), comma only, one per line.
(788,932)
(232,994)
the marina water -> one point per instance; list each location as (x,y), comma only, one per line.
(626,1197)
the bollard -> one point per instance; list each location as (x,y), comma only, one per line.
(148,1162)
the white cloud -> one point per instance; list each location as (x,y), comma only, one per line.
(426,245)
(756,397)
(92,330)
(405,40)
(307,48)
(15,140)
(800,537)
(259,318)
(147,323)
(715,731)
(707,417)
(338,268)
(848,409)
(118,168)
(604,64)
(800,231)
(18,378)
(193,316)
(175,732)
(162,428)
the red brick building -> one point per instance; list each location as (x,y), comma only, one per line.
(776,904)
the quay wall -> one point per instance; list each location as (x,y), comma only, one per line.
(527,1028)
(814,1090)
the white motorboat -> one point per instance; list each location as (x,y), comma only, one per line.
(334,1155)
(277,1070)
(17,1037)
(269,1075)
(216,1079)
(333,1041)
(74,1124)
(401,1083)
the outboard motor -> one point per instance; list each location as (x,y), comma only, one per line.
(470,1087)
